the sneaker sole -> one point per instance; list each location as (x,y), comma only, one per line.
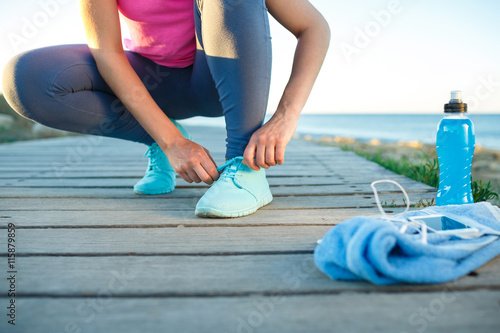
(211,212)
(154,193)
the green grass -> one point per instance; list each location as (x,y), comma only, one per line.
(20,130)
(482,191)
(421,203)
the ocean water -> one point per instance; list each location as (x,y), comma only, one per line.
(385,127)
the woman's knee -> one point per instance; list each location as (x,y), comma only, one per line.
(11,83)
(18,82)
(32,80)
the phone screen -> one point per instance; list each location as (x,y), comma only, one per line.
(441,222)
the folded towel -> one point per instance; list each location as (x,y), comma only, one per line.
(376,250)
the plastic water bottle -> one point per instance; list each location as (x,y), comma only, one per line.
(455,144)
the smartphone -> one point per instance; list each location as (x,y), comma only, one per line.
(440,222)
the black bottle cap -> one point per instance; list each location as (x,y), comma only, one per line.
(455,107)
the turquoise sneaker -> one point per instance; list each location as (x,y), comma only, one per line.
(160,176)
(239,191)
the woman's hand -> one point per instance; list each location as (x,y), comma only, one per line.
(266,147)
(191,161)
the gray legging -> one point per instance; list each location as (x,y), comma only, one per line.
(61,87)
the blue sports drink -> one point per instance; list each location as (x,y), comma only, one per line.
(455,144)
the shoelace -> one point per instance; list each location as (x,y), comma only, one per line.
(153,155)
(230,169)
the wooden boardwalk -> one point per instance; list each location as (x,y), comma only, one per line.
(91,256)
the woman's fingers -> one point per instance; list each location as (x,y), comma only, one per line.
(199,174)
(260,157)
(185,176)
(249,156)
(264,155)
(206,173)
(280,154)
(204,170)
(193,175)
(211,168)
(271,155)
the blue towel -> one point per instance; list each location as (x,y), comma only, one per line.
(367,248)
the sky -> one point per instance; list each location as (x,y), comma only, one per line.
(386,56)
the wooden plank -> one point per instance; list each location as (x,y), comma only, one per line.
(129,182)
(190,240)
(154,204)
(192,276)
(68,192)
(139,173)
(49,161)
(122,219)
(91,169)
(306,153)
(440,312)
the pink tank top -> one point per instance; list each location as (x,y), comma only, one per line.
(161,30)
